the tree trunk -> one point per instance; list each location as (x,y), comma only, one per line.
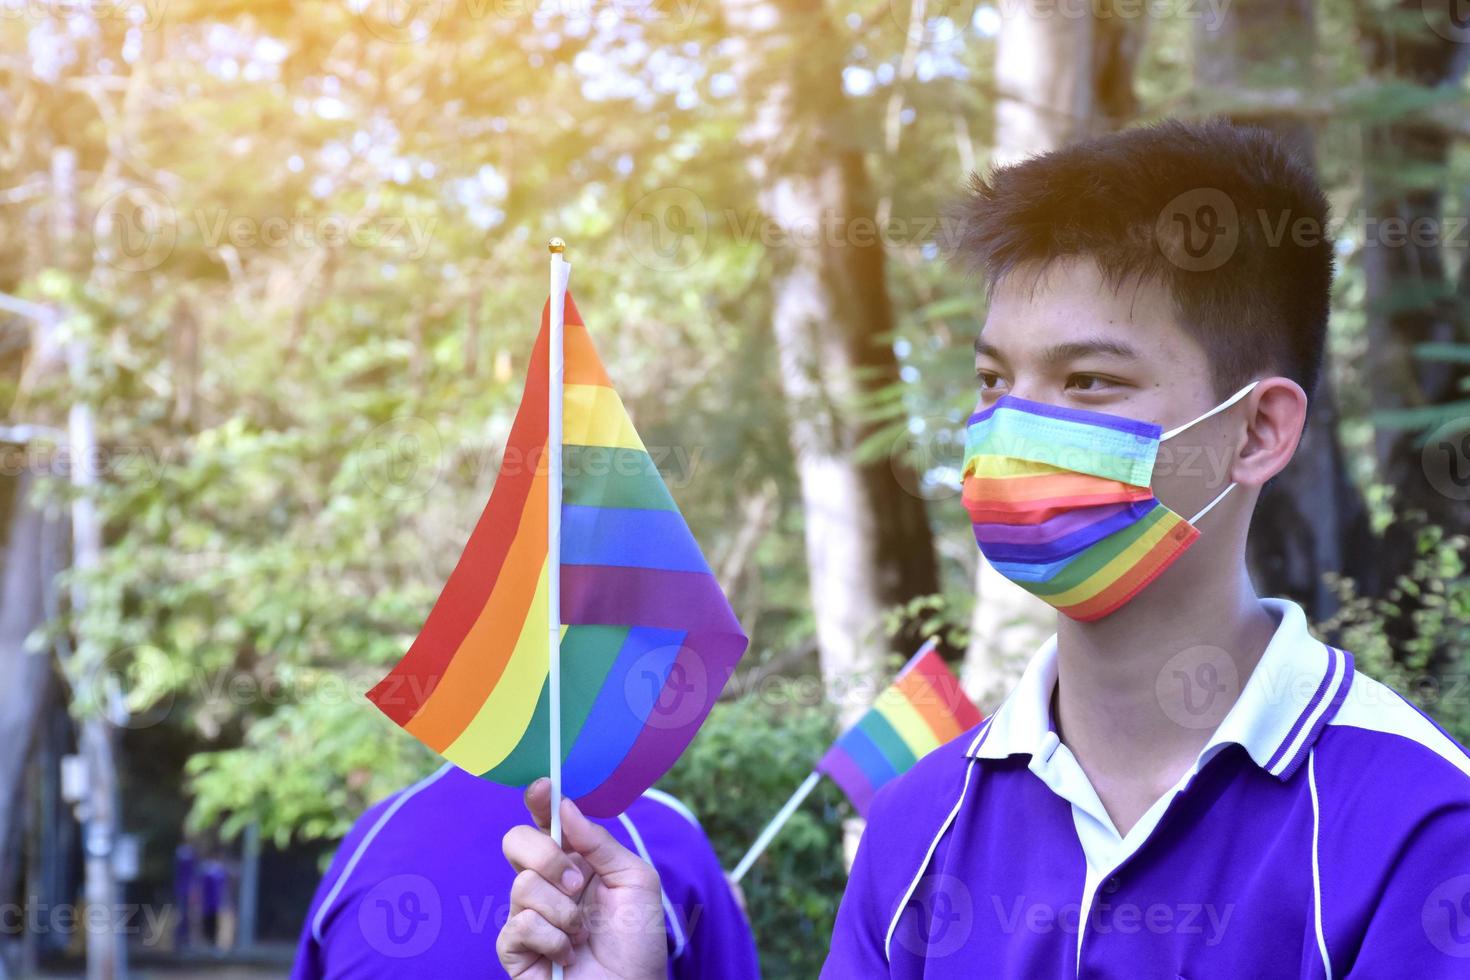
(868,541)
(1061,79)
(27,673)
(1312,519)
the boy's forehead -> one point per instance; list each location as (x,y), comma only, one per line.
(1069,307)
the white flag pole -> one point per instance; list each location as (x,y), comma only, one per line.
(560,271)
(774,827)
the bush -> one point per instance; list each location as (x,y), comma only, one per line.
(1431,665)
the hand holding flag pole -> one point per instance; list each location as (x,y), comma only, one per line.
(922,709)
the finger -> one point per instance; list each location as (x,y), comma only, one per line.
(538,802)
(526,938)
(617,866)
(581,865)
(528,849)
(531,891)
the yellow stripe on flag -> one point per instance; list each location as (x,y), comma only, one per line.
(503,718)
(907,721)
(595,416)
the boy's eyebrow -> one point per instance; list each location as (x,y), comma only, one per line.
(1068,351)
(985,349)
(1078,349)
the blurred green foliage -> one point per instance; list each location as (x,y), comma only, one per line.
(1429,665)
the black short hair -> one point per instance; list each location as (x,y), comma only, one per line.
(1222,215)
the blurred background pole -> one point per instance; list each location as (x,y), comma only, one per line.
(105,955)
(105,948)
(763,840)
(249,886)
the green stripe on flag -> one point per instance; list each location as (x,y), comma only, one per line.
(601,476)
(889,742)
(587,654)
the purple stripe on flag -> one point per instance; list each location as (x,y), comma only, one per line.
(690,601)
(700,672)
(849,777)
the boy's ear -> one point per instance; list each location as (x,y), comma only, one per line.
(1276,413)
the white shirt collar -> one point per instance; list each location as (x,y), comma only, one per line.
(1295,688)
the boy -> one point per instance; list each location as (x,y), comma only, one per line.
(1184,783)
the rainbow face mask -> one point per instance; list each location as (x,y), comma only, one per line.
(1062,504)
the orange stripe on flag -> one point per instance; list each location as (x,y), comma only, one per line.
(582,365)
(930,704)
(478,664)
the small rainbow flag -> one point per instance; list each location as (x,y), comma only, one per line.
(648,639)
(922,709)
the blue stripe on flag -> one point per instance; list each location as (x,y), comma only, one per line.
(628,538)
(869,758)
(618,715)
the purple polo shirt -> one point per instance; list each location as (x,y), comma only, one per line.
(1324,831)
(419,887)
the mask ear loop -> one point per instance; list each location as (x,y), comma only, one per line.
(1217,409)
(1210,506)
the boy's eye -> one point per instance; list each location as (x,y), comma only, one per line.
(1087,382)
(988,380)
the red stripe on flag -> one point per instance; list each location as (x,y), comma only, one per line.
(409,684)
(947,691)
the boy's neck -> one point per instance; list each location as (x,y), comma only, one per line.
(1140,692)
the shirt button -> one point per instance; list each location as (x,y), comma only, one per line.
(1112,885)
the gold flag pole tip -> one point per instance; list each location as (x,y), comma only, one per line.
(556,246)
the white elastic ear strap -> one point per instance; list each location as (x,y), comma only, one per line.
(1209,506)
(1217,409)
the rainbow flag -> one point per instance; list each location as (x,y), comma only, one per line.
(648,639)
(922,709)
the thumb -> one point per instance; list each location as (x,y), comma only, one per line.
(538,802)
(617,866)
